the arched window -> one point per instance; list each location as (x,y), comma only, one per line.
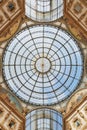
(44,10)
(44,119)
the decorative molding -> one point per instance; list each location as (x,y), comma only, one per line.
(77,8)
(11,114)
(76,113)
(9,32)
(78,18)
(10,12)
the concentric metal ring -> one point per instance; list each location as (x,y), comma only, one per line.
(43,65)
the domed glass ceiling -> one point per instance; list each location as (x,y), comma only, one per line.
(42,65)
(44,119)
(44,10)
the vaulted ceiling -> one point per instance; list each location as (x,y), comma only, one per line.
(43,53)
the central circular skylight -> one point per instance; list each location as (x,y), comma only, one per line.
(42,65)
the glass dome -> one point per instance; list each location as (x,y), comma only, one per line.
(44,10)
(44,119)
(42,65)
